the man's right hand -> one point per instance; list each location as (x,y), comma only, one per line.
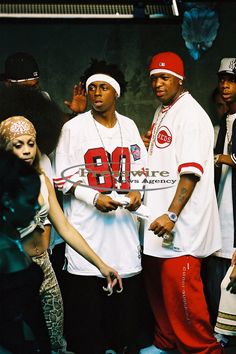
(105,203)
(231,287)
(78,103)
(146,138)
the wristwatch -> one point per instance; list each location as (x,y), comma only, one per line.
(172,216)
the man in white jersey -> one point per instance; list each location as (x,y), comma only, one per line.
(225,180)
(181,149)
(106,149)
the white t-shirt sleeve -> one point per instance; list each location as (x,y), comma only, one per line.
(139,156)
(66,165)
(192,150)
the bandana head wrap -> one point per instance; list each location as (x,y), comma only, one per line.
(14,127)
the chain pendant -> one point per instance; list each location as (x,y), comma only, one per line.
(118,179)
(229,148)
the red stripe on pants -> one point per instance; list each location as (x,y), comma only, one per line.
(175,292)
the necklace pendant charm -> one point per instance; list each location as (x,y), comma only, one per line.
(229,148)
(118,185)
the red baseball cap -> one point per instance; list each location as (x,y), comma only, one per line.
(167,62)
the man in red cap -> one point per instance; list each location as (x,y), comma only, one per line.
(184,225)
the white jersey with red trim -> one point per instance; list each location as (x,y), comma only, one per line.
(182,143)
(103,158)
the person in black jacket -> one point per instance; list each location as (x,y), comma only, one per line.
(217,265)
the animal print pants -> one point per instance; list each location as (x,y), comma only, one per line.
(52,304)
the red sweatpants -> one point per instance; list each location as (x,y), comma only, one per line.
(175,292)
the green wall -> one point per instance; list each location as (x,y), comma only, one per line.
(63,50)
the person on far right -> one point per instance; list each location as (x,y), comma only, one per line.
(222,286)
(220,109)
(184,224)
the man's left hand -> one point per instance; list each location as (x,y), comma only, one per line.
(135,201)
(162,225)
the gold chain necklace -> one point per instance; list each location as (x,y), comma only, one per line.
(228,135)
(119,180)
(164,110)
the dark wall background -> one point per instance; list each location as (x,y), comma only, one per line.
(63,50)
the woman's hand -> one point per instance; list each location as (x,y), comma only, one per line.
(113,279)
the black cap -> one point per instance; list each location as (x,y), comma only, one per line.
(20,66)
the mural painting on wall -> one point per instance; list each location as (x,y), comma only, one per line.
(199,28)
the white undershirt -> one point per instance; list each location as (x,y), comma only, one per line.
(225,201)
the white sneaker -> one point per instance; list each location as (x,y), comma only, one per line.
(221,338)
(154,350)
(151,350)
(62,352)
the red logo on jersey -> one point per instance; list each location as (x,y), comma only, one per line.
(164,138)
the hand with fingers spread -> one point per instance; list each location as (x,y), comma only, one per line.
(78,103)
(105,203)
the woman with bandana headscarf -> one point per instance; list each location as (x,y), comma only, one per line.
(18,135)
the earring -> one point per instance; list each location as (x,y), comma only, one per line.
(12,210)
(9,207)
(4,217)
(181,82)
